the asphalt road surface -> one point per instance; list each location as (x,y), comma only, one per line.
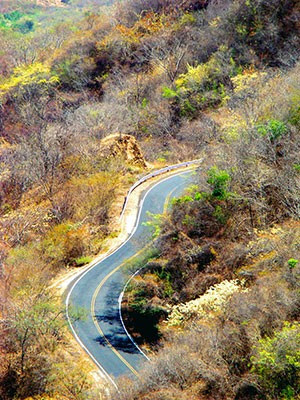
(97,290)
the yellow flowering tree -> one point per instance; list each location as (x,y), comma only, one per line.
(28,78)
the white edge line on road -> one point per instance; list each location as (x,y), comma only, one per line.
(121,300)
(154,174)
(120,313)
(108,377)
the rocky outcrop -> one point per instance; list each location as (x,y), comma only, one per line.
(49,3)
(124,146)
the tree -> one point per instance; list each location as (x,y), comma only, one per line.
(28,80)
(38,157)
(32,327)
(168,55)
(277,362)
(219,180)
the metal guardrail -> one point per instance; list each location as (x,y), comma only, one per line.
(152,175)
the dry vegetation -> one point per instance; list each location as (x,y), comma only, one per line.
(192,78)
(238,226)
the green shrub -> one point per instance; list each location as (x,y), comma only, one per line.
(26,26)
(277,362)
(219,215)
(83,260)
(166,278)
(182,199)
(218,180)
(198,196)
(187,108)
(188,220)
(296,167)
(154,223)
(292,262)
(143,315)
(202,85)
(13,16)
(275,129)
(294,113)
(169,93)
(18,21)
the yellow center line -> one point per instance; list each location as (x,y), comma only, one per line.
(104,280)
(167,201)
(93,308)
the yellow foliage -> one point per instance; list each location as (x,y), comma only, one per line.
(149,24)
(33,74)
(187,19)
(92,193)
(232,126)
(65,242)
(47,397)
(245,80)
(100,179)
(215,22)
(128,33)
(196,76)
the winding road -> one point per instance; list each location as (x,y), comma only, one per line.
(98,290)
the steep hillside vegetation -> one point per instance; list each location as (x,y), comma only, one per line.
(186,79)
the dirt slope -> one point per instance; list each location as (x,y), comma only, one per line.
(124,146)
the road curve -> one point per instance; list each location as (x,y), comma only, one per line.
(97,290)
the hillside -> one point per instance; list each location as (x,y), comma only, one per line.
(8,6)
(11,5)
(91,96)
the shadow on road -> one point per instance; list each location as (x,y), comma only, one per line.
(114,333)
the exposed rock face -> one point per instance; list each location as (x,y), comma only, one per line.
(124,146)
(47,3)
